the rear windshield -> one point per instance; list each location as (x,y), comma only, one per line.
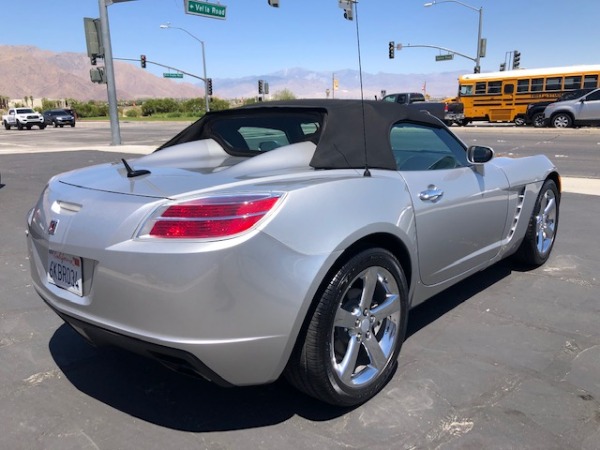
(250,132)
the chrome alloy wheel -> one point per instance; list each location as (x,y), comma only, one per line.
(546,222)
(366,327)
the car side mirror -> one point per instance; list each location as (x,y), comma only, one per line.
(477,154)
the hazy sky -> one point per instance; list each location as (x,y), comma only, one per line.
(256,39)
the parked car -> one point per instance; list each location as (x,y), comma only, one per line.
(59,118)
(535,111)
(582,110)
(284,238)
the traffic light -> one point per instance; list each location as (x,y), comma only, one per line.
(516,59)
(392,49)
(477,69)
(93,60)
(502,67)
(261,86)
(348,7)
(143,61)
(209,86)
(273,3)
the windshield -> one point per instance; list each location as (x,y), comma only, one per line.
(25,111)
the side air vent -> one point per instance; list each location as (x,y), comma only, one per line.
(518,211)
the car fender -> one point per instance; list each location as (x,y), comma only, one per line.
(526,170)
(349,210)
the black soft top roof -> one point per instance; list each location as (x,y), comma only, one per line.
(349,127)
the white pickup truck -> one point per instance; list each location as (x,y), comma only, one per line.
(23,118)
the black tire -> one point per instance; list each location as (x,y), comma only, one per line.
(348,350)
(19,125)
(42,126)
(520,121)
(28,127)
(73,125)
(538,120)
(55,124)
(561,120)
(6,126)
(543,225)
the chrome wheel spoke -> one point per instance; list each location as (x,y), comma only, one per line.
(376,354)
(370,280)
(388,308)
(344,319)
(345,369)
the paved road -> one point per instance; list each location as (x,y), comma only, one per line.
(506,359)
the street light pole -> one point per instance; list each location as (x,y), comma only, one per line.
(206,102)
(480,11)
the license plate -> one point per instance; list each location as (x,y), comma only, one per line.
(65,271)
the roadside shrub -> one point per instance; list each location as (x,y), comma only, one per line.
(133,112)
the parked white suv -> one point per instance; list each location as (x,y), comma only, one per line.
(583,110)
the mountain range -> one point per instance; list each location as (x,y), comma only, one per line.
(27,71)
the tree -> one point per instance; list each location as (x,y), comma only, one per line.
(285,94)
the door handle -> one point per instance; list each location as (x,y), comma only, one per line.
(432,194)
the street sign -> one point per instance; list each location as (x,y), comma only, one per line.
(205,9)
(172,75)
(447,57)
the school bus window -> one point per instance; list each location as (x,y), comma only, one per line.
(480,88)
(537,84)
(466,89)
(554,84)
(494,87)
(590,81)
(523,86)
(509,88)
(572,82)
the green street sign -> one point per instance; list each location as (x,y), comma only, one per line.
(205,9)
(447,57)
(172,75)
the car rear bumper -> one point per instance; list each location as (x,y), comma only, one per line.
(175,359)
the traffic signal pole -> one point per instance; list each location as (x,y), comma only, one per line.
(110,75)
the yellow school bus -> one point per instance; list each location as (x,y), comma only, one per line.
(504,96)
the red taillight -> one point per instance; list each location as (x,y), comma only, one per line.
(211,217)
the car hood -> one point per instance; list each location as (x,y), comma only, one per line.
(188,168)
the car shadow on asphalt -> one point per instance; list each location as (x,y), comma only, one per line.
(146,390)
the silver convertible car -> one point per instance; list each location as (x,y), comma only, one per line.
(284,238)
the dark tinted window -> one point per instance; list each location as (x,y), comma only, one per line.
(572,82)
(263,132)
(593,96)
(523,86)
(494,87)
(480,88)
(537,85)
(554,84)
(590,81)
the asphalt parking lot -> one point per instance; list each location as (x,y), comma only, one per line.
(507,359)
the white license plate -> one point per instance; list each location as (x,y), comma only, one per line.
(65,271)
